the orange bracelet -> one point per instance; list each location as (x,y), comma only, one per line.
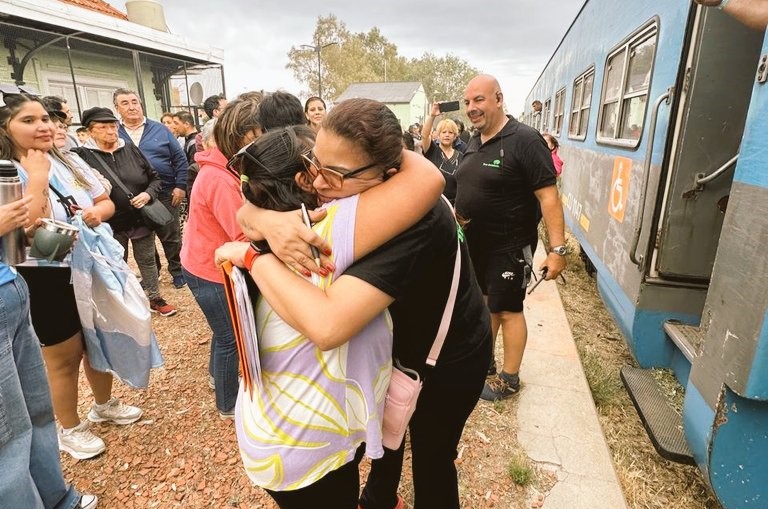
(255,249)
(250,257)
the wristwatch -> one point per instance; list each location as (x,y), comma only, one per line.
(255,249)
(559,250)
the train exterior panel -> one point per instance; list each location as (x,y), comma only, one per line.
(662,124)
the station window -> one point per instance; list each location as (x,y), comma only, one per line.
(559,108)
(581,104)
(545,115)
(625,89)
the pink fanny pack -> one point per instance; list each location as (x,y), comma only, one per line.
(405,384)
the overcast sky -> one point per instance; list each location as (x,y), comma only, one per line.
(510,39)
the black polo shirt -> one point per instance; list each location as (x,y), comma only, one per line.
(496,184)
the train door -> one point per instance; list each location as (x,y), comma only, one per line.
(712,109)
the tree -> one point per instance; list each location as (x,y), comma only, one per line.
(444,78)
(371,57)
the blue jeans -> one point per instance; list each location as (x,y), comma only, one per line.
(31,474)
(223,363)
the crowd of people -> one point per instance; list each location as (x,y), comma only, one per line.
(331,332)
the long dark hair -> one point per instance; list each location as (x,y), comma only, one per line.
(13,105)
(269,174)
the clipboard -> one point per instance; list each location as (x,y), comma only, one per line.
(244,325)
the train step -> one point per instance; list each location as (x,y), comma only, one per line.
(688,338)
(663,424)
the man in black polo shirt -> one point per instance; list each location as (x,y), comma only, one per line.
(506,183)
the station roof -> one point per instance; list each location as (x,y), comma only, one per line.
(97,21)
(389,92)
(98,6)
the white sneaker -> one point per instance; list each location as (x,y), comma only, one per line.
(115,411)
(80,442)
(88,502)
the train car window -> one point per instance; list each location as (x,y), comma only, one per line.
(545,116)
(625,91)
(581,103)
(589,81)
(559,110)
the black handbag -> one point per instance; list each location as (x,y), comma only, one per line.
(155,214)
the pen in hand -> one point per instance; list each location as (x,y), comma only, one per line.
(305,218)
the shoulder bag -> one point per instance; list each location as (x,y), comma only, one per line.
(405,384)
(154,212)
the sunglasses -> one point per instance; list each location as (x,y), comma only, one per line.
(334,178)
(233,165)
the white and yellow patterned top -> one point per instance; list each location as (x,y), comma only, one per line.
(311,409)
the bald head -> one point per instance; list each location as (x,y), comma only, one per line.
(485,82)
(485,104)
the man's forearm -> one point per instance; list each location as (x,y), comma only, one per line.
(552,211)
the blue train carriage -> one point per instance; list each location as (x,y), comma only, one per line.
(662,124)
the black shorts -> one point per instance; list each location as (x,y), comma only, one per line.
(52,303)
(503,278)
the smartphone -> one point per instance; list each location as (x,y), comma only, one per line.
(448,106)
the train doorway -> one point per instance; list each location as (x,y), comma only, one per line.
(713,101)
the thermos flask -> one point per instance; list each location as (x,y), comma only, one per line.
(13,244)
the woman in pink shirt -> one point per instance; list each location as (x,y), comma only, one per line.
(213,205)
(553,145)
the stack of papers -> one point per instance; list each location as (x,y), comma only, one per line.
(244,324)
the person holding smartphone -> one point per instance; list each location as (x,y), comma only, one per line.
(442,152)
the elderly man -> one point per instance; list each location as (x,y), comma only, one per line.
(506,181)
(169,161)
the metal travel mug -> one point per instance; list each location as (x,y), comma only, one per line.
(13,244)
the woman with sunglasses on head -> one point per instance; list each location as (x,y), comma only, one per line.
(301,431)
(213,205)
(410,273)
(58,189)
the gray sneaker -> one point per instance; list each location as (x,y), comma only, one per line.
(80,443)
(114,411)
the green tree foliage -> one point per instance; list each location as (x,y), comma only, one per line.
(371,57)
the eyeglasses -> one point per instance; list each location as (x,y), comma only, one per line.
(334,178)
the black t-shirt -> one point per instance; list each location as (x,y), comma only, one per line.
(497,180)
(446,165)
(416,269)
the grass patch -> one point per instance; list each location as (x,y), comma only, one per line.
(603,381)
(520,470)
